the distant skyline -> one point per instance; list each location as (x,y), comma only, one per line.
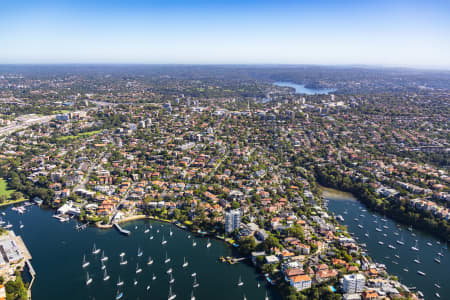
(412,33)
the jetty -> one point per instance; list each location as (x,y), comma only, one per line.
(121,230)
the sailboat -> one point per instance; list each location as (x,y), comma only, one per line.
(208,244)
(119,282)
(147,231)
(21,225)
(417,261)
(138,270)
(367,234)
(119,295)
(148,287)
(139,253)
(171,233)
(105,276)
(88,279)
(240,282)
(172,280)
(169,271)
(85,262)
(122,261)
(192,295)
(167,260)
(245,298)
(135,282)
(95,251)
(195,284)
(267,297)
(415,247)
(185,263)
(163,242)
(150,261)
(122,254)
(153,276)
(194,243)
(103,265)
(437,260)
(401,242)
(151,237)
(104,258)
(171,295)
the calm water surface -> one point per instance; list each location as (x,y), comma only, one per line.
(345,204)
(57,250)
(301,89)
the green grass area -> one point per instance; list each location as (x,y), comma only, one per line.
(83,134)
(4,188)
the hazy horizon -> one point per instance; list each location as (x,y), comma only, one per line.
(399,33)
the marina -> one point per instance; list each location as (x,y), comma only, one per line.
(109,279)
(413,259)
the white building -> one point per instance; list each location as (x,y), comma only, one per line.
(232,220)
(300,282)
(354,283)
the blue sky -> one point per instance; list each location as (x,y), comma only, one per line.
(395,32)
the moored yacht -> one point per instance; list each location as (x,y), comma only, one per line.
(104,258)
(150,261)
(95,251)
(421,273)
(208,244)
(139,253)
(85,262)
(88,279)
(185,263)
(171,295)
(240,282)
(138,270)
(415,247)
(105,276)
(119,282)
(167,260)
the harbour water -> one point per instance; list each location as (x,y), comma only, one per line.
(378,233)
(58,250)
(301,89)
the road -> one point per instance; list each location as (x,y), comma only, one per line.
(7,130)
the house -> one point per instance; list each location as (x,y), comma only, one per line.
(300,282)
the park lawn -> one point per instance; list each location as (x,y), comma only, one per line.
(83,134)
(4,188)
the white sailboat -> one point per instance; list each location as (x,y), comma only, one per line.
(95,251)
(171,295)
(85,262)
(119,282)
(208,244)
(147,231)
(171,280)
(103,265)
(194,243)
(163,242)
(185,263)
(138,270)
(151,237)
(21,225)
(195,284)
(135,282)
(123,261)
(401,242)
(167,260)
(240,282)
(150,261)
(192,295)
(88,279)
(105,276)
(153,276)
(104,258)
(169,271)
(139,253)
(415,247)
(171,233)
(266,297)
